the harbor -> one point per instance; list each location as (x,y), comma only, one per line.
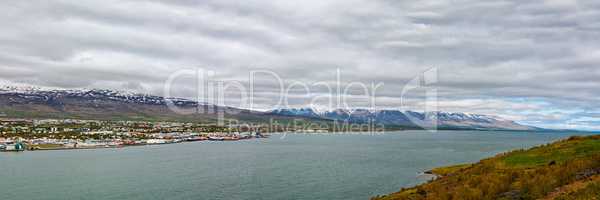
(35,135)
(161,139)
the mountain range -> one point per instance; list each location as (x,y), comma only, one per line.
(437,119)
(114,105)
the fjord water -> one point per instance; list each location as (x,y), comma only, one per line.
(297,166)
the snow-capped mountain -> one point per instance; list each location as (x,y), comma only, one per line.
(306,112)
(27,102)
(443,120)
(108,104)
(40,94)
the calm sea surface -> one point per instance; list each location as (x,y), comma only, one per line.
(293,167)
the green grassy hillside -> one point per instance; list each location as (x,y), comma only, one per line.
(568,169)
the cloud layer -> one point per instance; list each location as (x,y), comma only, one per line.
(532,61)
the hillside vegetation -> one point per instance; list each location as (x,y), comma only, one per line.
(565,170)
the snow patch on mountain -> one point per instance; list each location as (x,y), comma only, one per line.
(410,118)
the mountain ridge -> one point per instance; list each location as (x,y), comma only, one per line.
(435,119)
(109,104)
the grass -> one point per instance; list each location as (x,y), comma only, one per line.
(590,192)
(579,190)
(444,171)
(536,173)
(558,152)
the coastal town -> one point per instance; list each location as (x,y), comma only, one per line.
(62,134)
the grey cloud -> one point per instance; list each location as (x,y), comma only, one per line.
(508,50)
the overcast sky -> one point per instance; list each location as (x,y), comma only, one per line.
(532,61)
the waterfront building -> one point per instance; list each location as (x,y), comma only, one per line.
(14,147)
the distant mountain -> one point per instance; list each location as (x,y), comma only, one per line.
(115,105)
(443,120)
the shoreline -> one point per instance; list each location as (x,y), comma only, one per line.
(117,146)
(562,168)
(431,172)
